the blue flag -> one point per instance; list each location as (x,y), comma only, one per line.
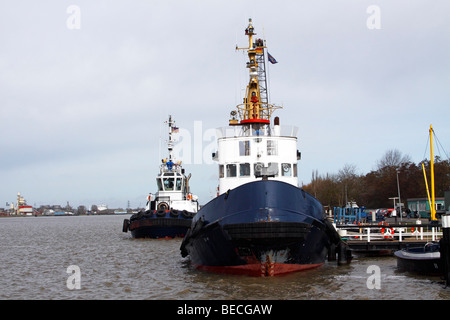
(271,59)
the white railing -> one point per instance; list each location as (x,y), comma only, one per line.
(387,232)
(237,131)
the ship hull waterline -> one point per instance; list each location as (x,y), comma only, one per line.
(153,226)
(262,228)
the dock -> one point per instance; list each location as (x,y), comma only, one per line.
(384,239)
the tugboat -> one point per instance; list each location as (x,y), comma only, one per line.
(261,223)
(168,213)
(424,260)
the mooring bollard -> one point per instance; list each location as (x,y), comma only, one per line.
(344,253)
(445,247)
(332,252)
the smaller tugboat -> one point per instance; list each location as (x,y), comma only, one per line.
(423,260)
(170,210)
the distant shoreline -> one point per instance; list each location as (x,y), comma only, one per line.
(65,215)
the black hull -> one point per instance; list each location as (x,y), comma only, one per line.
(262,228)
(420,261)
(156,225)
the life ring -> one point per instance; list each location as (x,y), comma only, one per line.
(387,232)
(163,206)
(174,213)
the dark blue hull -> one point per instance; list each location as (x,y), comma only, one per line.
(422,260)
(260,228)
(158,224)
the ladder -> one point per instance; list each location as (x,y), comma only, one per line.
(262,79)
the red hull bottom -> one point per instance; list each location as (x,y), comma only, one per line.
(260,270)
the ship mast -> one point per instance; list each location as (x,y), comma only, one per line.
(431,200)
(170,142)
(433,206)
(255,109)
(168,164)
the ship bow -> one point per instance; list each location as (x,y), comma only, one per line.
(240,233)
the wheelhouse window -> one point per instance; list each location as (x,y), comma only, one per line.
(168,184)
(272,148)
(179,184)
(244,170)
(160,187)
(286,170)
(231,170)
(244,148)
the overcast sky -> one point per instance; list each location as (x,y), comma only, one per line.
(85,87)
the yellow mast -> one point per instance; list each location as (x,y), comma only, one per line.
(432,200)
(426,184)
(253,110)
(432,205)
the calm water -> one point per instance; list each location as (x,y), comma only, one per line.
(35,253)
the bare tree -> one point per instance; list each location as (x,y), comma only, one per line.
(349,182)
(393,158)
(348,172)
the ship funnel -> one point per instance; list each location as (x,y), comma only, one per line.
(276,126)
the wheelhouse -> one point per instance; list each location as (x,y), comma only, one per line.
(171,181)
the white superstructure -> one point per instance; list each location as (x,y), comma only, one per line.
(252,147)
(173,185)
(254,152)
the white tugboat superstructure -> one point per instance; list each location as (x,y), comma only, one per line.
(173,185)
(257,152)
